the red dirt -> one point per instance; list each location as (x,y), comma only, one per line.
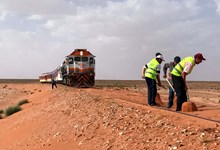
(104,118)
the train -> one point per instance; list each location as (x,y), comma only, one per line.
(77,70)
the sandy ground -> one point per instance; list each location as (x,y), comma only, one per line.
(105,118)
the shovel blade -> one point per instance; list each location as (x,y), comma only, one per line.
(158,99)
(189,107)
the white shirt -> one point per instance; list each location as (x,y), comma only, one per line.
(158,69)
(188,67)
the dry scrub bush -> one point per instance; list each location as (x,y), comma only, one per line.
(24,101)
(11,110)
(1,112)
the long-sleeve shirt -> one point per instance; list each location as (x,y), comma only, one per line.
(169,65)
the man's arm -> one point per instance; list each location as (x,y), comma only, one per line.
(184,74)
(158,80)
(143,71)
(158,74)
(165,67)
(187,67)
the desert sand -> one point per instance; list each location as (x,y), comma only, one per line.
(111,116)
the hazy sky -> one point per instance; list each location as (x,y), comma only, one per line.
(35,36)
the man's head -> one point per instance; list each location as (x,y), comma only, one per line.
(159,58)
(198,58)
(158,54)
(177,59)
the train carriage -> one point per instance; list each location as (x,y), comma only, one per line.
(45,77)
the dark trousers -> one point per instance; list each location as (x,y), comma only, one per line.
(54,84)
(171,96)
(179,87)
(152,90)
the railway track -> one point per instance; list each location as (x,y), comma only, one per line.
(178,112)
(162,107)
(191,115)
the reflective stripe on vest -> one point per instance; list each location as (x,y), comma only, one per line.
(181,69)
(151,71)
(178,69)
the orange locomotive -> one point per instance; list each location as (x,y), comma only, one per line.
(77,70)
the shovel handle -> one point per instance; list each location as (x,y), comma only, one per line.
(170,84)
(163,87)
(187,95)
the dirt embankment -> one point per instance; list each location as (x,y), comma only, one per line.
(104,118)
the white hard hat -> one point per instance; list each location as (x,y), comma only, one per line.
(160,57)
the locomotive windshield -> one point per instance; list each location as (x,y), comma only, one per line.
(83,59)
(77,59)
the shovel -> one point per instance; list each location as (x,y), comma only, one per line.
(170,84)
(163,87)
(187,95)
(175,97)
(189,106)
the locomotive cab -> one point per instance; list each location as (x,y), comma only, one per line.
(79,69)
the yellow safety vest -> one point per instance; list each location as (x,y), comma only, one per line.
(151,71)
(178,69)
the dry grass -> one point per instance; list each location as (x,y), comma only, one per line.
(11,110)
(24,101)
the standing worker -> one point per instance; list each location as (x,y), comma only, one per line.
(151,73)
(53,83)
(170,65)
(179,73)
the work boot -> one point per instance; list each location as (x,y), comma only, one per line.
(154,104)
(178,108)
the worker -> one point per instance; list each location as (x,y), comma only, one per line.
(151,73)
(53,82)
(170,65)
(179,73)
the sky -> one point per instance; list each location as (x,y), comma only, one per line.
(35,36)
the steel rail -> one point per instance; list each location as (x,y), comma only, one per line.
(169,110)
(191,115)
(179,112)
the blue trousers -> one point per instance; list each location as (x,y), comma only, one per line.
(152,90)
(170,98)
